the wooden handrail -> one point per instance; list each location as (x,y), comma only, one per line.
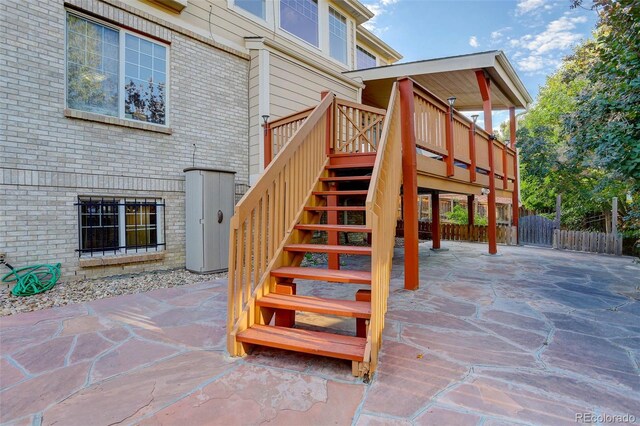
(381,204)
(279,132)
(264,219)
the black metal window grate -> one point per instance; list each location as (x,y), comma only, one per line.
(120,225)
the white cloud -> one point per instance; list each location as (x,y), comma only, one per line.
(379,8)
(497,35)
(473,41)
(539,52)
(528,6)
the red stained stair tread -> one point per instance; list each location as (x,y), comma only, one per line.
(329,248)
(319,274)
(311,342)
(340,307)
(338,228)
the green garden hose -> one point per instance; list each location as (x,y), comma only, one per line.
(32,280)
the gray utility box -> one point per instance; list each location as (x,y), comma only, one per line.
(209,200)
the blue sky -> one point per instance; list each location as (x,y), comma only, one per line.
(534,34)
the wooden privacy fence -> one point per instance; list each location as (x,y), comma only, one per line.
(383,200)
(454,232)
(478,233)
(592,242)
(536,230)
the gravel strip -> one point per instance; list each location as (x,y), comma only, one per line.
(99,288)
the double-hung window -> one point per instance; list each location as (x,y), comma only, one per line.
(300,18)
(111,71)
(255,7)
(364,59)
(337,36)
(120,225)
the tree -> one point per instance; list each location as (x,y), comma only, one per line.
(582,137)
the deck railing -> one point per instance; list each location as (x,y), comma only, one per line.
(357,129)
(382,202)
(266,215)
(466,150)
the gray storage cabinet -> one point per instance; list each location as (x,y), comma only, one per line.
(209,200)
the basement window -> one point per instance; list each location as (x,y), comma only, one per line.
(120,225)
(114,72)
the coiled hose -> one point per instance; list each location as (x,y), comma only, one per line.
(31,280)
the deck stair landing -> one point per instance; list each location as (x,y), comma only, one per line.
(343,172)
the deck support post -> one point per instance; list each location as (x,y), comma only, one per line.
(435,220)
(409,185)
(449,143)
(515,195)
(471,211)
(484,84)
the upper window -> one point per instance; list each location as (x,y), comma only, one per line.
(255,7)
(364,58)
(337,36)
(113,72)
(300,18)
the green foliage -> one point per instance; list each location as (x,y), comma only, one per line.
(581,138)
(460,216)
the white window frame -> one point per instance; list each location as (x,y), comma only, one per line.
(346,34)
(268,12)
(364,49)
(121,67)
(122,229)
(295,37)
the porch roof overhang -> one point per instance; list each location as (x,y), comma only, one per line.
(451,76)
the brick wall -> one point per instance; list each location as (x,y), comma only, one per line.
(49,158)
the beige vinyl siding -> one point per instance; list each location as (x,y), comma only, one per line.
(254,111)
(234,26)
(286,74)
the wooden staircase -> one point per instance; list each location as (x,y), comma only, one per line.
(347,176)
(333,160)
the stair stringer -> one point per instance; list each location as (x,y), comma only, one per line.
(251,314)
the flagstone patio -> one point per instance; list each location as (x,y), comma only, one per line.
(532,336)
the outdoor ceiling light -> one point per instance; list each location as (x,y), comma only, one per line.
(474,117)
(451,100)
(485,191)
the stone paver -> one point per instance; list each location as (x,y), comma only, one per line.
(532,336)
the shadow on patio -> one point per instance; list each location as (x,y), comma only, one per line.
(532,336)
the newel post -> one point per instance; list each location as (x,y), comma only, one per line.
(409,185)
(333,259)
(268,144)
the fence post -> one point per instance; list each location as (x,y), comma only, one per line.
(558,211)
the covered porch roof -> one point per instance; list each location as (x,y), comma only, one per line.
(451,76)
